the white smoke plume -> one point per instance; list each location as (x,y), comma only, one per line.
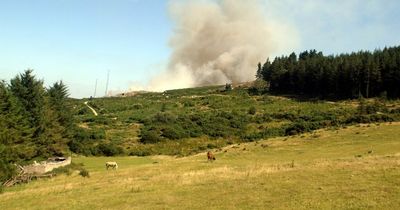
(220,41)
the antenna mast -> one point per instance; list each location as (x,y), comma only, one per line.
(95,89)
(108,79)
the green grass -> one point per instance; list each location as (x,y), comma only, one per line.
(353,168)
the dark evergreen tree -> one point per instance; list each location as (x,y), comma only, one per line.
(355,75)
(58,96)
(30,93)
(259,70)
(15,130)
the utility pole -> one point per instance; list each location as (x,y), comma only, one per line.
(95,89)
(108,79)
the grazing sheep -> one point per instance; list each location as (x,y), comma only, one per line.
(210,156)
(112,165)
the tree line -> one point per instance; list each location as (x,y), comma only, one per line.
(35,121)
(359,74)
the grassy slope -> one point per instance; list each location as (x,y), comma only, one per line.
(332,169)
(121,118)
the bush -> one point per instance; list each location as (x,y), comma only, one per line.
(371,108)
(68,169)
(109,149)
(102,120)
(163,107)
(137,106)
(83,111)
(188,104)
(252,110)
(7,171)
(301,127)
(370,118)
(97,134)
(140,153)
(395,111)
(84,173)
(80,148)
(150,137)
(82,134)
(228,87)
(163,117)
(266,133)
(174,133)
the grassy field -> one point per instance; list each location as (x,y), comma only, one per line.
(357,167)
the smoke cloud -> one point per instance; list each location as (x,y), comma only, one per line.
(220,41)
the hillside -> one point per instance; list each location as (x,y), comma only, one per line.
(189,121)
(352,168)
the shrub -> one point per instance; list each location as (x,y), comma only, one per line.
(84,173)
(7,170)
(80,148)
(163,107)
(82,134)
(140,153)
(369,118)
(301,127)
(163,117)
(68,169)
(371,108)
(266,133)
(395,111)
(102,120)
(252,110)
(83,111)
(173,133)
(228,87)
(188,104)
(97,134)
(75,146)
(137,106)
(109,149)
(150,137)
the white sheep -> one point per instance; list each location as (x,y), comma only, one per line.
(112,165)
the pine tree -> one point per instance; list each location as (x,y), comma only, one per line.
(58,95)
(30,93)
(259,71)
(361,74)
(15,132)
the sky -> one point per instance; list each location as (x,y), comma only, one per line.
(79,41)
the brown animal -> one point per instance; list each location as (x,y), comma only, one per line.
(210,156)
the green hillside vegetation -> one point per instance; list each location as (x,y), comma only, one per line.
(352,168)
(188,121)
